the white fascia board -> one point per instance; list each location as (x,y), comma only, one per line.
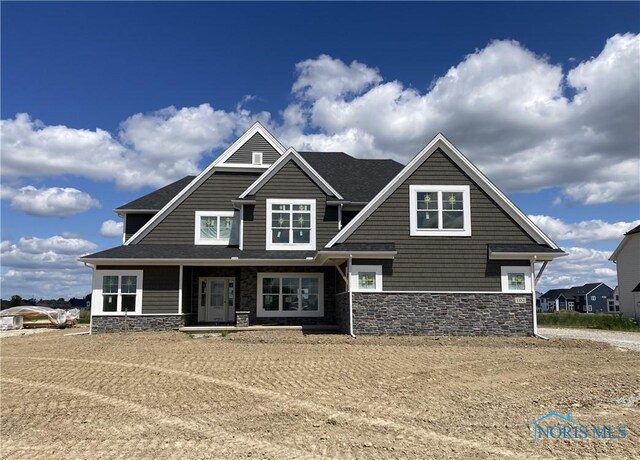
(327,255)
(440,141)
(290,154)
(204,175)
(203,262)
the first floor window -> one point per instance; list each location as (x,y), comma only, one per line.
(216,227)
(366,278)
(290,224)
(290,294)
(516,279)
(117,292)
(440,210)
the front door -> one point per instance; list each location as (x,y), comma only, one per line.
(216,302)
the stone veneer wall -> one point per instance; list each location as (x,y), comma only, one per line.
(136,323)
(442,314)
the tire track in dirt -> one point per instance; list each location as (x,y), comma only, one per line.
(305,406)
(157,416)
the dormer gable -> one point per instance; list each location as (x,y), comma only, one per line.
(291,155)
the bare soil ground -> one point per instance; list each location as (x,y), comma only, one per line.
(291,395)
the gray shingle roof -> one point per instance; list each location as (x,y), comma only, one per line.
(554,293)
(356,179)
(633,230)
(524,248)
(189,251)
(361,247)
(156,200)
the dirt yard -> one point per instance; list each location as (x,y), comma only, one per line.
(289,395)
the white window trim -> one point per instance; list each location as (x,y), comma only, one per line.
(311,245)
(413,205)
(356,269)
(504,271)
(256,158)
(96,294)
(219,242)
(261,313)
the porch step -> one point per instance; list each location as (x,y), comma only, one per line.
(311,327)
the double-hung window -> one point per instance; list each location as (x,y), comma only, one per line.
(216,227)
(116,292)
(290,294)
(291,224)
(439,210)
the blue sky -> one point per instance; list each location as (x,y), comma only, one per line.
(542,96)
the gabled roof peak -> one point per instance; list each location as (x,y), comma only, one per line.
(290,155)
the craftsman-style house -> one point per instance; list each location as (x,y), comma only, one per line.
(271,236)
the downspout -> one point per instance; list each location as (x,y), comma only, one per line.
(350,299)
(534,282)
(86,264)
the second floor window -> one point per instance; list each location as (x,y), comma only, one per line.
(291,224)
(215,227)
(440,210)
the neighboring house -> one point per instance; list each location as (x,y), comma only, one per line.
(627,260)
(268,235)
(591,297)
(557,300)
(613,304)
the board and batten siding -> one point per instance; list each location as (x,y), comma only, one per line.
(290,182)
(160,287)
(256,143)
(431,263)
(215,194)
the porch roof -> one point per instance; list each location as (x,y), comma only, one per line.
(510,251)
(190,251)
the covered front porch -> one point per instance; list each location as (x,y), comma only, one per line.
(219,298)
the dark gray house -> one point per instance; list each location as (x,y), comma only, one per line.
(270,236)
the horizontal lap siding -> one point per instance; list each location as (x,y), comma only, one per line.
(441,263)
(289,182)
(160,290)
(256,143)
(215,194)
(160,287)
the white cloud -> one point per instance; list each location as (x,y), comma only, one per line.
(111,228)
(504,106)
(49,202)
(45,267)
(583,232)
(326,77)
(581,266)
(150,149)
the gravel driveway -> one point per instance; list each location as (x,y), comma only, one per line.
(630,340)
